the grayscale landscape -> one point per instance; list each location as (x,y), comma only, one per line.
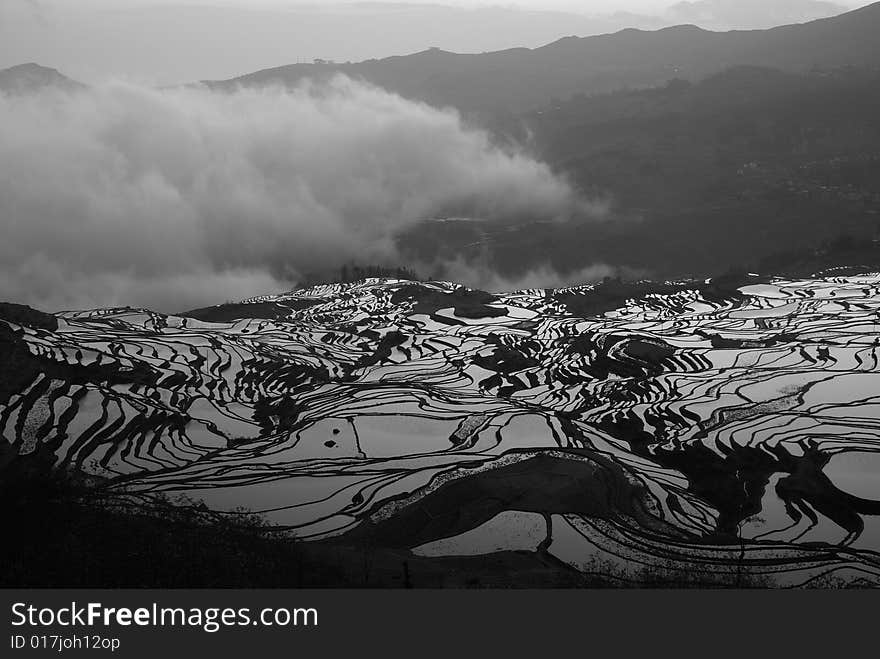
(588,311)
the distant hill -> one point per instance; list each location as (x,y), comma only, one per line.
(26,78)
(154,40)
(752,167)
(522,79)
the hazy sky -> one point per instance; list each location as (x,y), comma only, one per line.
(603,6)
(178,41)
(588,6)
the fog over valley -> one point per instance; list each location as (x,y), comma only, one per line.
(121,193)
(636,154)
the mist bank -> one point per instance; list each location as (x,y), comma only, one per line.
(121,194)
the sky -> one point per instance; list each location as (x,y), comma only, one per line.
(167,42)
(586,6)
(577,6)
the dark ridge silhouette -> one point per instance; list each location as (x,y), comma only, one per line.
(521,79)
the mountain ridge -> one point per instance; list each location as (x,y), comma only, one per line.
(30,77)
(521,79)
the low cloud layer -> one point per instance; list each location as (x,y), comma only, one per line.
(477,275)
(172,199)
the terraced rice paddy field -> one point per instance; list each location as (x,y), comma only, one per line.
(695,432)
